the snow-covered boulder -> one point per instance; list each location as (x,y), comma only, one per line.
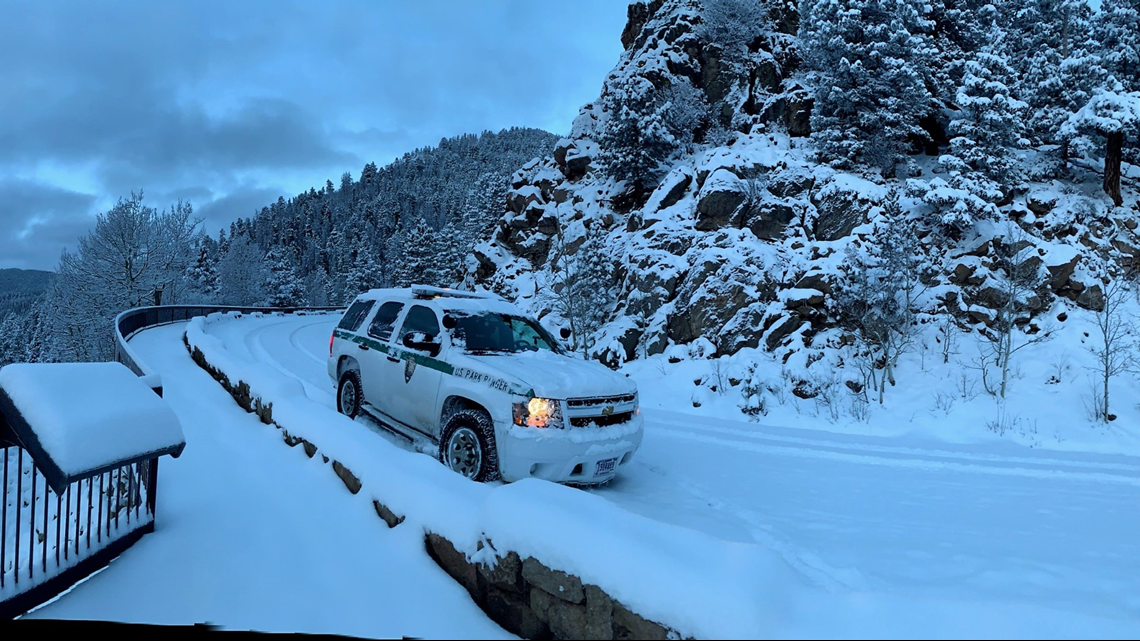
(719,202)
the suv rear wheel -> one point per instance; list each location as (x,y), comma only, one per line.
(468,446)
(348,394)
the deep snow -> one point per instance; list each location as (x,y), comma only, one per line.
(254,535)
(889,536)
(90,415)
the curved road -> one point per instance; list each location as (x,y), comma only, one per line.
(850,512)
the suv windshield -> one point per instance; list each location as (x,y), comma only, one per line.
(501,333)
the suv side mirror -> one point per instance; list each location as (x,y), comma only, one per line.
(422,342)
(564,333)
(449,321)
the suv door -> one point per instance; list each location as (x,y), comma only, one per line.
(413,396)
(379,368)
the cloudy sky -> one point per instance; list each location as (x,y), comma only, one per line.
(231,104)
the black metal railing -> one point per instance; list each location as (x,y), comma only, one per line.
(49,540)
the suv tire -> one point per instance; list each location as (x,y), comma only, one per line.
(468,446)
(349,394)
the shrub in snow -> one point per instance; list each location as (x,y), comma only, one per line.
(733,25)
(879,293)
(1017,276)
(645,126)
(582,289)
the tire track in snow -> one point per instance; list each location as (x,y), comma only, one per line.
(853,455)
(699,425)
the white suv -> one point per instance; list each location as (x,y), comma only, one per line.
(473,375)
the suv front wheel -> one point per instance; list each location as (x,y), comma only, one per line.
(468,446)
(348,394)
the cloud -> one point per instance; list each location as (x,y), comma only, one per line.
(38,221)
(222,102)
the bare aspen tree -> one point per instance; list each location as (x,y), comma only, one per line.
(1112,346)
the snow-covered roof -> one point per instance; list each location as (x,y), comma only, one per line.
(81,419)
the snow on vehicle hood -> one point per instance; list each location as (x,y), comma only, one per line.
(553,375)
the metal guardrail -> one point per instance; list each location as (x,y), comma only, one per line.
(133,321)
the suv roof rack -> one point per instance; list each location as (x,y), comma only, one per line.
(423,292)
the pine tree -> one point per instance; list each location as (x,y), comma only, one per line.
(989,125)
(1054,57)
(203,277)
(636,142)
(866,61)
(282,286)
(417,262)
(1117,28)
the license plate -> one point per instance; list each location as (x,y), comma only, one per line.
(605,467)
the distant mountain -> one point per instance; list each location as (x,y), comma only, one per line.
(19,288)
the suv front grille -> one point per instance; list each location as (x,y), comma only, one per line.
(601,400)
(601,421)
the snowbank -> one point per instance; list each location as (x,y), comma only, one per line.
(88,416)
(690,582)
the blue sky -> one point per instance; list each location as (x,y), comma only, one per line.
(231,104)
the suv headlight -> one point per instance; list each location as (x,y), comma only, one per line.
(538,412)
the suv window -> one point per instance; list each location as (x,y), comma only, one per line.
(385,321)
(420,319)
(355,315)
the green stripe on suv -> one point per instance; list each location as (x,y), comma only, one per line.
(435,363)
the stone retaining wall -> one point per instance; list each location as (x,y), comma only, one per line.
(522,595)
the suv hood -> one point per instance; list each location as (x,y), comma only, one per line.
(553,375)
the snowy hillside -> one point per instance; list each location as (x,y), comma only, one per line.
(932,244)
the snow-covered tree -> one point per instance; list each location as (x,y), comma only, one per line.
(241,273)
(418,261)
(1117,29)
(364,271)
(866,64)
(645,127)
(283,288)
(1115,115)
(1054,55)
(734,25)
(989,125)
(135,255)
(203,277)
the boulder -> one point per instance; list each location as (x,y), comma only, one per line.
(781,329)
(817,280)
(566,587)
(514,614)
(576,166)
(1092,297)
(790,183)
(630,625)
(1040,203)
(676,191)
(840,210)
(719,202)
(769,219)
(1060,273)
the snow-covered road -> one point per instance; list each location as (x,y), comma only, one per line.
(990,523)
(253,535)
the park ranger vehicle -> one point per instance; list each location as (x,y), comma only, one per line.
(487,385)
